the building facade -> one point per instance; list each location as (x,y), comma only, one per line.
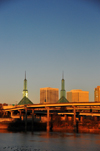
(78,96)
(97,94)
(49,95)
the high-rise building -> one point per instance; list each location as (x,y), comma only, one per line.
(78,96)
(97,94)
(49,95)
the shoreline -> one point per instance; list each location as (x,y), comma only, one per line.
(19,126)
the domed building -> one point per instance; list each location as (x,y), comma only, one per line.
(25,99)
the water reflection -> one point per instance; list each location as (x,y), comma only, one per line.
(53,141)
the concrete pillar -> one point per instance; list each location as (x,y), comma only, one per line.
(11,113)
(74,117)
(25,119)
(51,122)
(74,122)
(48,125)
(5,113)
(20,114)
(32,120)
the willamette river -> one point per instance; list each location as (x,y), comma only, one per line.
(53,141)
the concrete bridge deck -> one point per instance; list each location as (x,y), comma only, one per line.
(86,105)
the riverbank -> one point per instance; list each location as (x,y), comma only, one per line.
(19,126)
(81,129)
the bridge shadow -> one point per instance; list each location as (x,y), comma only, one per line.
(19,126)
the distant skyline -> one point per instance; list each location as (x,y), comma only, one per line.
(45,38)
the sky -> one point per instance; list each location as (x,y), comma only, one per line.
(45,38)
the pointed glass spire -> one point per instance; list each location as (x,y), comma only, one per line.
(25,91)
(63,92)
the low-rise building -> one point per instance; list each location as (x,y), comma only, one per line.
(78,96)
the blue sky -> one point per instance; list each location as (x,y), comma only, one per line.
(45,38)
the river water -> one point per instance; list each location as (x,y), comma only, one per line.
(53,141)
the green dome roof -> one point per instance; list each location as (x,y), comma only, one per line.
(24,101)
(62,100)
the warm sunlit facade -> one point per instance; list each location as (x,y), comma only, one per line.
(78,96)
(50,95)
(97,94)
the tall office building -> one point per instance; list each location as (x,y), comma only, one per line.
(78,96)
(97,94)
(50,95)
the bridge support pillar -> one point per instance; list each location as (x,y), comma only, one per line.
(20,114)
(32,120)
(51,122)
(4,113)
(11,113)
(48,124)
(25,119)
(74,122)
